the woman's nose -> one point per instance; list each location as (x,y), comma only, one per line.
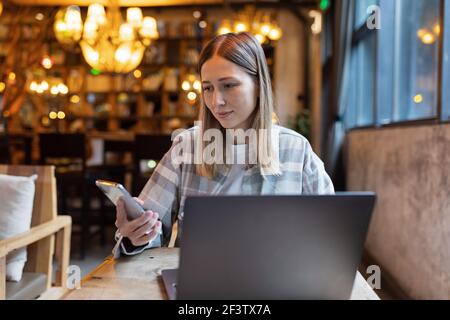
(218,99)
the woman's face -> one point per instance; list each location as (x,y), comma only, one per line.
(229,93)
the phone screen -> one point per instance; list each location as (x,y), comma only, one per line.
(114,191)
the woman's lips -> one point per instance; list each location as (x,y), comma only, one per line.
(223,115)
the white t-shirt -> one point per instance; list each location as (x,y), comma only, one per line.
(233,183)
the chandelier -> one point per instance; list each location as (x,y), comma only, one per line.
(108,43)
(258,23)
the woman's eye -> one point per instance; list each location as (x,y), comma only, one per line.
(230,85)
(206,89)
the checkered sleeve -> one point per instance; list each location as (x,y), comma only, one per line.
(161,195)
(315,179)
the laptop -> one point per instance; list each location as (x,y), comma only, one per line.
(270,247)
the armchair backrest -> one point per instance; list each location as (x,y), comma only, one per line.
(39,255)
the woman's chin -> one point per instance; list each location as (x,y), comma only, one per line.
(227,124)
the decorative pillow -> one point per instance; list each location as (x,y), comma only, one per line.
(16,207)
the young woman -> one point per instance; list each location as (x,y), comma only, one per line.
(267,159)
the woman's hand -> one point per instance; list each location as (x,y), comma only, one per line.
(140,231)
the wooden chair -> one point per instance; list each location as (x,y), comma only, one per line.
(46,227)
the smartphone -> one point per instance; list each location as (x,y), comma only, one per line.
(114,191)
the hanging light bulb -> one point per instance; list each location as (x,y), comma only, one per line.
(123,53)
(258,24)
(260,38)
(68,25)
(240,27)
(126,32)
(197,85)
(192,96)
(149,28)
(44,85)
(46,62)
(96,13)
(53,115)
(90,30)
(437,29)
(275,34)
(107,43)
(186,86)
(33,86)
(134,17)
(61,115)
(224,28)
(265,26)
(73,18)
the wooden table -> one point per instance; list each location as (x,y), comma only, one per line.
(138,277)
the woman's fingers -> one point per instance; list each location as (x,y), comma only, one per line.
(141,230)
(143,219)
(121,215)
(146,238)
(138,200)
(146,228)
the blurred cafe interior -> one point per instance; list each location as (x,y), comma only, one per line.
(94,89)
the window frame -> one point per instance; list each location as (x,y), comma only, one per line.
(443,68)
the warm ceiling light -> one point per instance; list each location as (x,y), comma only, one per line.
(151,164)
(186,85)
(44,85)
(260,38)
(12,76)
(196,14)
(54,90)
(275,34)
(61,115)
(134,16)
(68,25)
(2,86)
(240,27)
(113,45)
(197,85)
(45,121)
(223,30)
(75,99)
(108,43)
(149,28)
(39,16)
(428,38)
(437,29)
(137,73)
(47,63)
(418,98)
(259,24)
(96,13)
(63,89)
(192,96)
(39,89)
(53,115)
(265,28)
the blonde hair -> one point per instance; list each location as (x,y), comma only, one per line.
(245,51)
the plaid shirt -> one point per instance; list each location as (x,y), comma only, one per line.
(302,172)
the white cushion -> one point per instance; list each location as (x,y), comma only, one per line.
(16,198)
